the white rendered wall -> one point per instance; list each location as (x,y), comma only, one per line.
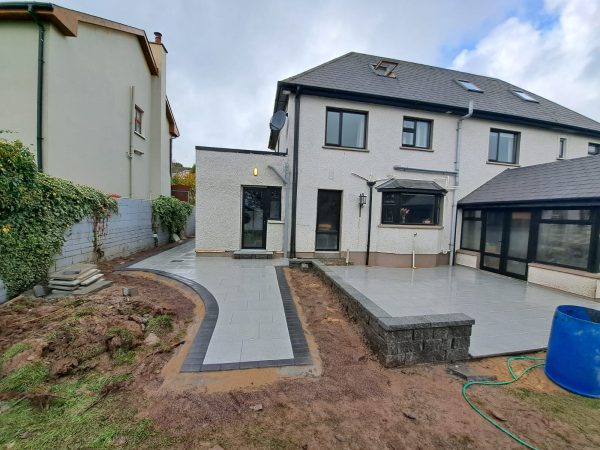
(220,177)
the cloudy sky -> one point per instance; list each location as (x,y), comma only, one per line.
(225,57)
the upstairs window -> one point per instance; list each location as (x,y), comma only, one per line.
(504,146)
(562,148)
(469,86)
(593,149)
(139,115)
(406,208)
(416,133)
(346,128)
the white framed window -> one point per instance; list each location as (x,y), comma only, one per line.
(138,120)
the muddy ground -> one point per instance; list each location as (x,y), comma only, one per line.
(348,401)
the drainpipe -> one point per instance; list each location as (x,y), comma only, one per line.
(130,152)
(370,184)
(295,173)
(40,84)
(453,224)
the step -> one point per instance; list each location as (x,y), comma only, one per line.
(252,254)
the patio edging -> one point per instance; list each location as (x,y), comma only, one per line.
(400,341)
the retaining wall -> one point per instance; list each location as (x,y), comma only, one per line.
(127,232)
(402,341)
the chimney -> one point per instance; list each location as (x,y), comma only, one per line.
(157,37)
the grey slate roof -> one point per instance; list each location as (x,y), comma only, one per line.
(352,73)
(416,185)
(569,179)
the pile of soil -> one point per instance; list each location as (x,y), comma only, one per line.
(104,331)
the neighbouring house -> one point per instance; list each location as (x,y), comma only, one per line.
(88,96)
(373,160)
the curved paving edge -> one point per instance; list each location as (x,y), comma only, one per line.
(194,360)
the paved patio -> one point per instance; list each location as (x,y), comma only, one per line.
(250,318)
(510,315)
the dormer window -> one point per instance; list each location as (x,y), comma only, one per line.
(524,96)
(469,86)
(385,68)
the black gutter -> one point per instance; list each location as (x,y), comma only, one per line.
(295,173)
(437,107)
(40,85)
(563,203)
(238,150)
(370,184)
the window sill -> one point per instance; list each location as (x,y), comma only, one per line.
(495,163)
(417,149)
(352,149)
(415,226)
(276,221)
(139,135)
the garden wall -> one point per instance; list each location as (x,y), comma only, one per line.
(127,232)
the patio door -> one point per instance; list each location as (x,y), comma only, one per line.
(255,215)
(328,220)
(505,242)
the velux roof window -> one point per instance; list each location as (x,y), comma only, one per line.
(385,68)
(524,96)
(469,86)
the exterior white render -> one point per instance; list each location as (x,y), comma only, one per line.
(322,167)
(95,73)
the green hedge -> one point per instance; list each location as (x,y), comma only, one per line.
(35,211)
(171,213)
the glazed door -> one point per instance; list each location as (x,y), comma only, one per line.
(328,220)
(505,242)
(255,215)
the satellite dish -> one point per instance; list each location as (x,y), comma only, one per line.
(278,120)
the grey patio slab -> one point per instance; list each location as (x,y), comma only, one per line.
(511,315)
(248,306)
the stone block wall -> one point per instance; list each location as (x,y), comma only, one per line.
(402,341)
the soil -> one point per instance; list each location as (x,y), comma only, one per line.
(346,400)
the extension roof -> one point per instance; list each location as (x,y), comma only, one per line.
(424,87)
(569,180)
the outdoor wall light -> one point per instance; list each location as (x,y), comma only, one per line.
(255,171)
(362,201)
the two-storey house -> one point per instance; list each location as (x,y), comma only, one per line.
(88,96)
(373,160)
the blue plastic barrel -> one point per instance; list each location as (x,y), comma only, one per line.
(573,359)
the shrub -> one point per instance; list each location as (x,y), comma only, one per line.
(35,211)
(171,213)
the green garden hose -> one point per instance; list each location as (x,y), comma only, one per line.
(515,377)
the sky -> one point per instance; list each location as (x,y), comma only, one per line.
(225,57)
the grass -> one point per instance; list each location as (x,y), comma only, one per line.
(124,334)
(160,325)
(11,352)
(123,356)
(25,378)
(581,412)
(67,424)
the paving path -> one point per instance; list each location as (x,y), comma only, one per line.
(250,318)
(510,315)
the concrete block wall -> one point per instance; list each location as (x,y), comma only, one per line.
(127,232)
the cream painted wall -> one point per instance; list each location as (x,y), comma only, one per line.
(18,81)
(219,180)
(87,110)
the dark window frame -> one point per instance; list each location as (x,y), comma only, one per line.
(516,145)
(429,123)
(594,145)
(397,205)
(474,219)
(594,223)
(562,148)
(341,111)
(272,189)
(138,120)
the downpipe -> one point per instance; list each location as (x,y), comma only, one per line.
(40,87)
